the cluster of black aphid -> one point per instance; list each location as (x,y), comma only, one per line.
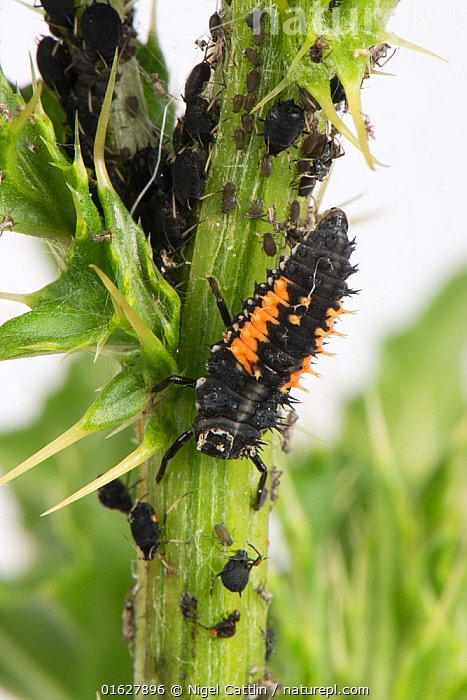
(162,182)
(147,535)
(77,63)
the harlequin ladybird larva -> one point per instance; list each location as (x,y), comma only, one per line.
(268,346)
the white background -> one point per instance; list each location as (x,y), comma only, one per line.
(414,238)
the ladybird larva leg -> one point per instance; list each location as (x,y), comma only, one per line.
(174,379)
(220,301)
(260,491)
(171,452)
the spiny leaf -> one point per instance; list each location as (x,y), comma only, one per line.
(403,43)
(34,189)
(69,314)
(122,399)
(153,351)
(154,440)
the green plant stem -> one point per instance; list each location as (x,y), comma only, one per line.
(169,648)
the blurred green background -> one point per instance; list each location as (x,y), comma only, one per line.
(374,527)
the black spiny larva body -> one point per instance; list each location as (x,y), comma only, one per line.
(267,347)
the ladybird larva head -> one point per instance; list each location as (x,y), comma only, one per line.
(224,438)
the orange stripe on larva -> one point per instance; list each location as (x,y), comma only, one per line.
(280,288)
(276,299)
(243,354)
(260,317)
(250,331)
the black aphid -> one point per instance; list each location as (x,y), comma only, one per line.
(145,529)
(267,166)
(198,121)
(237,103)
(189,177)
(223,535)
(269,245)
(197,79)
(322,163)
(188,605)
(259,38)
(294,212)
(226,627)
(116,496)
(239,138)
(247,122)
(313,144)
(316,51)
(52,61)
(250,101)
(228,197)
(215,27)
(236,572)
(163,179)
(180,137)
(253,57)
(252,80)
(256,210)
(337,90)
(255,19)
(140,173)
(102,30)
(59,14)
(306,183)
(284,123)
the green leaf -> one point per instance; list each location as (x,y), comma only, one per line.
(69,314)
(34,189)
